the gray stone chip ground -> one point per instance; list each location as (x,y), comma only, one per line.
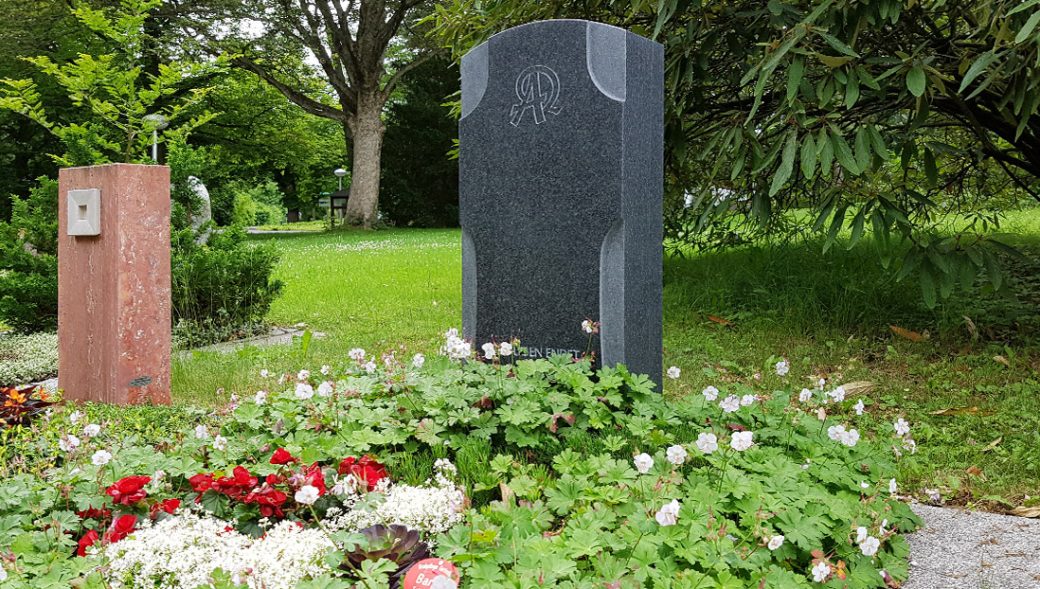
(958,549)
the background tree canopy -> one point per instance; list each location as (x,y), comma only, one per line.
(881,115)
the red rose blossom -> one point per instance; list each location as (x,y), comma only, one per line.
(269,499)
(201,483)
(282,456)
(128,490)
(122,527)
(88,540)
(237,485)
(367,470)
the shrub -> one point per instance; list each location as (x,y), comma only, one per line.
(259,205)
(29,261)
(28,358)
(221,289)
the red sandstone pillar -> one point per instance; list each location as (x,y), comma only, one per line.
(114,283)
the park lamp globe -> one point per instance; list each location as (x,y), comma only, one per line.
(157,122)
(340,173)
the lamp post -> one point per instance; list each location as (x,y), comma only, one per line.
(340,173)
(158,123)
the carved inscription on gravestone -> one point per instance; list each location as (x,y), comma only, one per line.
(560,191)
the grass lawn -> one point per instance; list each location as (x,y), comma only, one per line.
(969,385)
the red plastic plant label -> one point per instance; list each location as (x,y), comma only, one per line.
(432,573)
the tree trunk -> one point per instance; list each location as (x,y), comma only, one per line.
(367,133)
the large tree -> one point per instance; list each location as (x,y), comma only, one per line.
(872,113)
(349,41)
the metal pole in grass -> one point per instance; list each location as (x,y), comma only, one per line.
(340,173)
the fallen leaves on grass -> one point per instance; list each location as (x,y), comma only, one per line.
(720,320)
(908,334)
(993,444)
(859,387)
(1026,511)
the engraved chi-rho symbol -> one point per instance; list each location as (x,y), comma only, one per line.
(538,90)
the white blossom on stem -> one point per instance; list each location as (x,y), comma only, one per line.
(710,393)
(307,495)
(676,455)
(668,515)
(730,404)
(707,442)
(101,458)
(643,462)
(742,441)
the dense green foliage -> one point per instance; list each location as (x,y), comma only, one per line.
(420,186)
(258,205)
(878,115)
(29,29)
(116,100)
(29,261)
(221,289)
(558,438)
(258,136)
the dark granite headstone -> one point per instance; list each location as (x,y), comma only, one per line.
(560,162)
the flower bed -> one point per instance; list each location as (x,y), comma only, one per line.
(534,470)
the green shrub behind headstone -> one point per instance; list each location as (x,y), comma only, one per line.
(221,289)
(29,261)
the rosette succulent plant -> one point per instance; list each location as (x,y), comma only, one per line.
(395,543)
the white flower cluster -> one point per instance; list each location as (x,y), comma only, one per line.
(505,349)
(902,428)
(868,544)
(455,347)
(429,509)
(838,433)
(184,551)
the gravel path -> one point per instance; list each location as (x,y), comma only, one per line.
(959,549)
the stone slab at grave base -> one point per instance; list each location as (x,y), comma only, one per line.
(114,283)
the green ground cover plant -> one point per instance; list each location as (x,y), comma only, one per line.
(571,478)
(26,358)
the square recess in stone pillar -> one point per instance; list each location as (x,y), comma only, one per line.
(85,212)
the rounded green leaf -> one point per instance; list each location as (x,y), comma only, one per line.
(915,81)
